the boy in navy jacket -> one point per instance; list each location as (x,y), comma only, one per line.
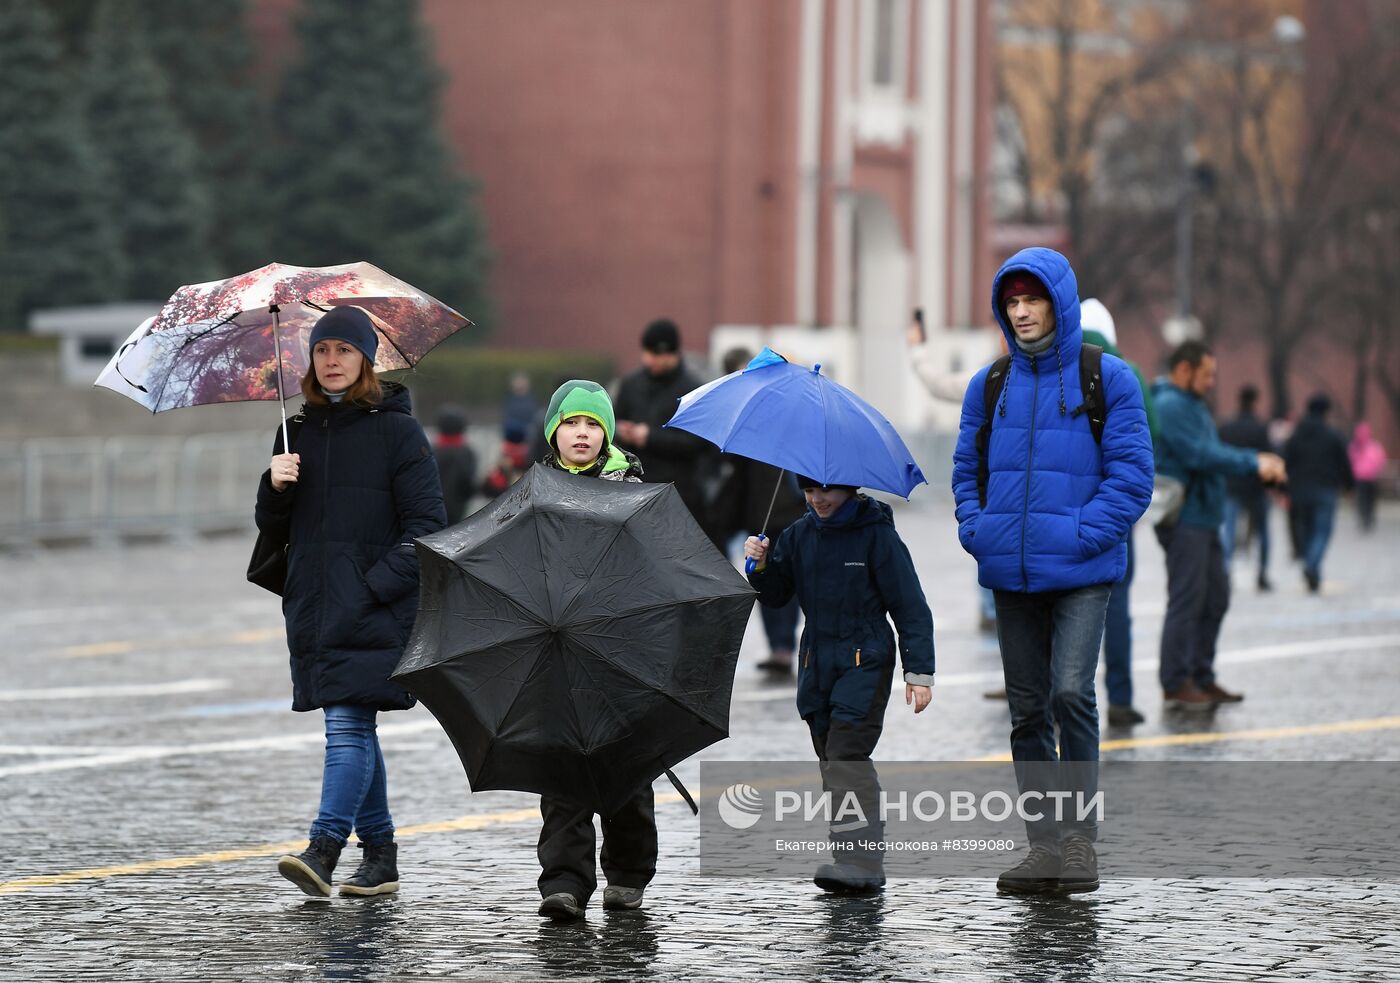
(849,569)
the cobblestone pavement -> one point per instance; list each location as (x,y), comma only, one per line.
(150,774)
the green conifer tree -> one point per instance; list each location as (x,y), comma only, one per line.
(58,247)
(205,52)
(148,157)
(364,170)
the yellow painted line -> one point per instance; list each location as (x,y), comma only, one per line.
(23,884)
(100,648)
(252,637)
(1258,734)
(485,820)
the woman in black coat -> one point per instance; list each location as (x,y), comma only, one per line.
(359,485)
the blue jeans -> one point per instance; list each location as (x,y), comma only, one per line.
(354,789)
(1318,513)
(1256,510)
(780,625)
(1049,656)
(1118,640)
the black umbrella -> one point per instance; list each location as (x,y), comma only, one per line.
(576,637)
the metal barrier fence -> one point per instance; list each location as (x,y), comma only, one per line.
(105,489)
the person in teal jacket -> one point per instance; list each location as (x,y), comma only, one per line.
(1189,449)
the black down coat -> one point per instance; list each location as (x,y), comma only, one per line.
(367,486)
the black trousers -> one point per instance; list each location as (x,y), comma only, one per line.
(844,749)
(567,841)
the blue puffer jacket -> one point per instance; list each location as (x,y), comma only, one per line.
(847,578)
(367,486)
(1189,449)
(1059,506)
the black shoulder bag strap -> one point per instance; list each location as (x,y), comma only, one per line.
(991,392)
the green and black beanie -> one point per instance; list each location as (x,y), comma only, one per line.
(579,397)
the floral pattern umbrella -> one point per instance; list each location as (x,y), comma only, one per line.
(222,341)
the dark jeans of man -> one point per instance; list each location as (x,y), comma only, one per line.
(1317,514)
(628,857)
(1198,595)
(1366,504)
(1049,656)
(1118,640)
(780,625)
(1256,511)
(844,748)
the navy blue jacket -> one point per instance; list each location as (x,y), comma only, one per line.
(367,486)
(1059,505)
(847,578)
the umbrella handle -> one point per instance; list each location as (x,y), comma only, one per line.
(685,793)
(750,564)
(281,399)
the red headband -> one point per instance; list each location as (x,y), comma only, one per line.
(1018,284)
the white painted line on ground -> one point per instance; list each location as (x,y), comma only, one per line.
(1261,653)
(115,690)
(117,755)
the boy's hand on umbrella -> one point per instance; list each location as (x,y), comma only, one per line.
(284,470)
(756,549)
(920,696)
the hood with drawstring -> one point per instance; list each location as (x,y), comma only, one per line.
(1059,504)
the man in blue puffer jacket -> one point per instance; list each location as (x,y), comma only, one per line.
(1050,541)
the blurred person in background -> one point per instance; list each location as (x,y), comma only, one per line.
(1367,466)
(519,408)
(456,461)
(646,401)
(1097,324)
(1245,493)
(1319,470)
(512,461)
(1189,449)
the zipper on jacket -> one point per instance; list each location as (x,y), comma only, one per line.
(1030,458)
(857,658)
(807,657)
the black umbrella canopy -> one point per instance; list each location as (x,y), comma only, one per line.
(576,637)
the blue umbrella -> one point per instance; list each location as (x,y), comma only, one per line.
(797,419)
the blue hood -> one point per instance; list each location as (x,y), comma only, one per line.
(1054,271)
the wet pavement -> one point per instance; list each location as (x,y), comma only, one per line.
(151,773)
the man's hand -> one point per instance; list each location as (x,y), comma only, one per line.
(917,695)
(631,433)
(284,470)
(1271,468)
(756,549)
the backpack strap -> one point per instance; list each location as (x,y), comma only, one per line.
(991,393)
(1091,385)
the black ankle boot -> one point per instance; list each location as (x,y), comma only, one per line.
(311,869)
(378,872)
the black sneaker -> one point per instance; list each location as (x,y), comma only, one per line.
(1123,716)
(849,879)
(1039,873)
(561,907)
(378,872)
(311,869)
(1079,871)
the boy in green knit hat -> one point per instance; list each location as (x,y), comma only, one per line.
(579,426)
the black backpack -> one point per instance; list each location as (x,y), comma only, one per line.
(1090,383)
